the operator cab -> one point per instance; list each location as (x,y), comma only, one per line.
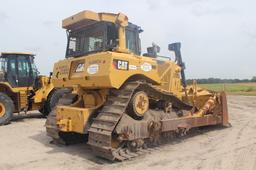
(101,36)
(18,69)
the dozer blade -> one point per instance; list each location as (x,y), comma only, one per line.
(224,103)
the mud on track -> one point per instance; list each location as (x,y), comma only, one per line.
(24,145)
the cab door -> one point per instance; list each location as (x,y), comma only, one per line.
(11,74)
(19,71)
(24,70)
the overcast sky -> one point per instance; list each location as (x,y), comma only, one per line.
(218,36)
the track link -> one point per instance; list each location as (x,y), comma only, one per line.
(100,132)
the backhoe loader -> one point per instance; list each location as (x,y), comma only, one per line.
(122,102)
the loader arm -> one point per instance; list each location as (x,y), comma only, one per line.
(42,93)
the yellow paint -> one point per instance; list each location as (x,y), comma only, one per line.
(23,99)
(141,103)
(122,40)
(166,75)
(2,110)
(99,73)
(106,77)
(42,93)
(89,17)
(17,53)
(14,89)
(72,119)
(21,93)
(197,96)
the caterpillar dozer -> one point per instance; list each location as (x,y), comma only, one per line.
(21,88)
(122,103)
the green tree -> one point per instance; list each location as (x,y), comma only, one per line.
(253,79)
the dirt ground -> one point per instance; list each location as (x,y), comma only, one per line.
(24,145)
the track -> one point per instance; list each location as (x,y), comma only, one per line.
(102,136)
(101,132)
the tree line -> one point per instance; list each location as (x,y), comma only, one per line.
(218,80)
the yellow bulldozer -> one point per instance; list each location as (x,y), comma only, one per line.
(22,89)
(122,102)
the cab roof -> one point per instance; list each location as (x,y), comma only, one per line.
(17,53)
(87,17)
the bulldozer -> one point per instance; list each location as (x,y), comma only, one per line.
(122,103)
(21,87)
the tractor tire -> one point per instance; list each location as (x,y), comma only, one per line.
(6,109)
(52,100)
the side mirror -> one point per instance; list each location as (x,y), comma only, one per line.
(174,46)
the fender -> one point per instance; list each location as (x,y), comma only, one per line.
(15,94)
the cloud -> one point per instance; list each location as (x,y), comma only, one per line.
(195,7)
(250,32)
(185,3)
(33,49)
(247,29)
(49,23)
(210,30)
(3,16)
(201,10)
(153,4)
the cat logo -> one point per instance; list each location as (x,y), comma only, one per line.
(121,65)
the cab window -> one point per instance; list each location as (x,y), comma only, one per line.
(23,67)
(131,41)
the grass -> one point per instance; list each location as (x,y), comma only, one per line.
(248,89)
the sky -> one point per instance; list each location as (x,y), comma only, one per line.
(218,37)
